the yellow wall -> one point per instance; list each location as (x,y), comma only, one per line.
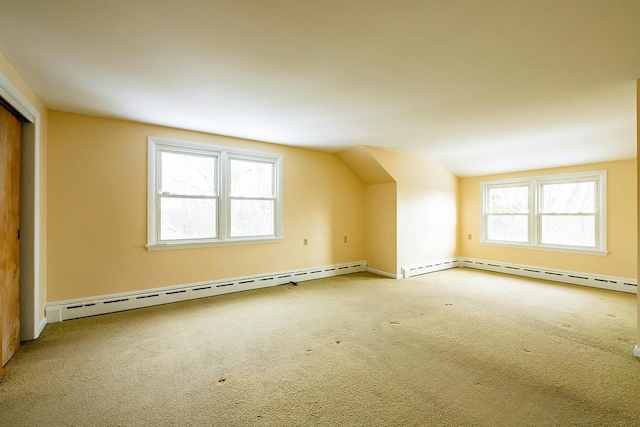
(380,215)
(411,208)
(621,225)
(380,227)
(97,181)
(366,167)
(18,82)
(427,221)
(93,212)
(638,177)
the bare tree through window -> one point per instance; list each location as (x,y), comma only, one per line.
(203,195)
(252,197)
(188,204)
(568,212)
(565,212)
(508,214)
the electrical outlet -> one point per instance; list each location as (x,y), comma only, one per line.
(470,236)
(345,239)
(305,242)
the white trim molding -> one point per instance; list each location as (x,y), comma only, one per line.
(576,278)
(42,325)
(534,213)
(384,273)
(17,101)
(84,307)
(600,281)
(219,194)
(30,311)
(429,267)
(636,351)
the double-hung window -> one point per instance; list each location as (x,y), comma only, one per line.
(203,195)
(187,194)
(252,196)
(559,212)
(507,213)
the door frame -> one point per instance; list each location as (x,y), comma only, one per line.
(32,319)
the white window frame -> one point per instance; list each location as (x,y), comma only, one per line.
(157,145)
(535,217)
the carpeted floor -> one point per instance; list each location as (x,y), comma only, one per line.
(457,347)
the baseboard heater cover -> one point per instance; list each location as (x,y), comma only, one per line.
(563,276)
(84,307)
(429,267)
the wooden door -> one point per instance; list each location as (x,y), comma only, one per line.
(9,229)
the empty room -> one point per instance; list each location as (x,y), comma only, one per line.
(292,213)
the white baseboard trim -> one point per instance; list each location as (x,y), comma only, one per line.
(576,278)
(84,307)
(429,267)
(41,326)
(636,351)
(383,273)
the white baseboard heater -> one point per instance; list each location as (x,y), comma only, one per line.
(585,279)
(84,307)
(564,276)
(430,267)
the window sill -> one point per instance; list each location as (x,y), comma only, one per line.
(152,247)
(570,250)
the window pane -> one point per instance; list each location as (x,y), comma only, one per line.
(574,197)
(508,200)
(252,218)
(571,230)
(188,174)
(508,228)
(184,218)
(251,179)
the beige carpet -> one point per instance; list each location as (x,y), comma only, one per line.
(458,347)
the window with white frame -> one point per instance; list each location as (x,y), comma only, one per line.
(203,195)
(558,212)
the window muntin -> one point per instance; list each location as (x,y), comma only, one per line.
(201,195)
(561,212)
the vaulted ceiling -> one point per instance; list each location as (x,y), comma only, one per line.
(480,86)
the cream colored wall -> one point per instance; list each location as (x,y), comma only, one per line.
(97,212)
(427,212)
(380,215)
(360,160)
(18,82)
(621,225)
(427,225)
(638,189)
(381,247)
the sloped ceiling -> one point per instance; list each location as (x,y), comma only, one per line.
(365,166)
(480,86)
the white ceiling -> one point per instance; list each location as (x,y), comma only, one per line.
(481,86)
